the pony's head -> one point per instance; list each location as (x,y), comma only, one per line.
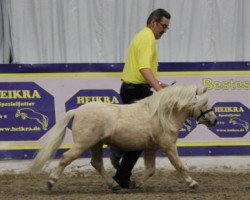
(201,111)
(175,103)
(172,105)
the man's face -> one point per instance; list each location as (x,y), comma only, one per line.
(159,28)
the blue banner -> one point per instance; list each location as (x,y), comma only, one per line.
(33,97)
(27,111)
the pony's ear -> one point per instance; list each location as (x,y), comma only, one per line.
(204,90)
(201,99)
(201,90)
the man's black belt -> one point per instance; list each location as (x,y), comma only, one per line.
(136,84)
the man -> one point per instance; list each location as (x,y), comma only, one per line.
(139,75)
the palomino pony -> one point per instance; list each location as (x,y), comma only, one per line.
(150,124)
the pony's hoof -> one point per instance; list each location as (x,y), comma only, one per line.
(115,186)
(49,185)
(134,185)
(193,185)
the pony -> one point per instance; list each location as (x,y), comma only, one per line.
(150,124)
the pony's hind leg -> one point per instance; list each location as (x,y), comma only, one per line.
(97,163)
(176,162)
(149,161)
(69,156)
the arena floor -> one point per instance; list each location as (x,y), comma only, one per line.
(163,185)
(79,182)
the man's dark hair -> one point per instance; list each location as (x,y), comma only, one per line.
(158,14)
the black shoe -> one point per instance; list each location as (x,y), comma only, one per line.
(121,183)
(125,184)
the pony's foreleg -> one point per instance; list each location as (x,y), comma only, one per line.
(176,162)
(97,163)
(69,156)
(149,162)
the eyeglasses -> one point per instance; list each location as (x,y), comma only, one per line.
(164,26)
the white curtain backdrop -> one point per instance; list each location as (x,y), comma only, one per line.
(97,31)
(5,43)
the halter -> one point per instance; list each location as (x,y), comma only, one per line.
(197,97)
(203,113)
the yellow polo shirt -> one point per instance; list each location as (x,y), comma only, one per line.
(142,53)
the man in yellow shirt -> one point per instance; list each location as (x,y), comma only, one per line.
(138,77)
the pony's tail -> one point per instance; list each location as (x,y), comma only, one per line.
(56,135)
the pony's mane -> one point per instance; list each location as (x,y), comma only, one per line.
(168,101)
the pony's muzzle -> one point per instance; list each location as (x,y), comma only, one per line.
(213,123)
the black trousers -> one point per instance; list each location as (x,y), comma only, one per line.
(129,94)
